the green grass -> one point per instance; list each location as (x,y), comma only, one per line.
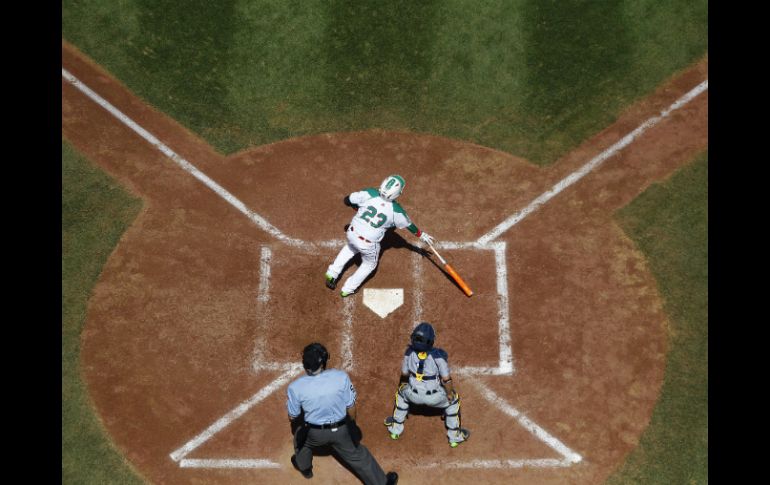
(95,212)
(669,223)
(530,77)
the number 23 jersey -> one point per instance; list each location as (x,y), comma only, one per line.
(376,215)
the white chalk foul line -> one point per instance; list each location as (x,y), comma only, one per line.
(592,164)
(483,371)
(330,243)
(346,349)
(263,313)
(236,413)
(417,277)
(291,370)
(504,330)
(264,274)
(260,366)
(261,222)
(567,454)
(227,463)
(568,457)
(479,464)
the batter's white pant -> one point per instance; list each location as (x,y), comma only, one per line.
(438,399)
(370,254)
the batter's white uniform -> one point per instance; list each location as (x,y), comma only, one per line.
(375,215)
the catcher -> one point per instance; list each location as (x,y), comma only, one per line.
(425,380)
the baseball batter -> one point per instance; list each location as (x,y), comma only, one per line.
(377,211)
(425,380)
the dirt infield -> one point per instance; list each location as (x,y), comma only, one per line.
(185,325)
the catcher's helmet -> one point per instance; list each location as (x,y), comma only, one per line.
(314,356)
(391,187)
(423,337)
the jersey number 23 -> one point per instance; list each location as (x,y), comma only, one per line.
(372,212)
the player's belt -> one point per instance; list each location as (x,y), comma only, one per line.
(328,425)
(429,392)
(423,377)
(359,237)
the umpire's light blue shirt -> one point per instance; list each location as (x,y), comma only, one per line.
(325,397)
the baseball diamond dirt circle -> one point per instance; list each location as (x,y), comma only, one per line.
(200,315)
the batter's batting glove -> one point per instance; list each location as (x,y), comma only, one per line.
(426,238)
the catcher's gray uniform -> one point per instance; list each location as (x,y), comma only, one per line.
(426,370)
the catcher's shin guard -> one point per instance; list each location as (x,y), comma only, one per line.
(395,423)
(452,421)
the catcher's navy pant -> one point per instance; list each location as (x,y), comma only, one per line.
(357,457)
(436,398)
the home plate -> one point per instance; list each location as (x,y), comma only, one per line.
(383,301)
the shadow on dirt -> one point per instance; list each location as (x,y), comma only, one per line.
(394,240)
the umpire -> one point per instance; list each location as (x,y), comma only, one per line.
(328,400)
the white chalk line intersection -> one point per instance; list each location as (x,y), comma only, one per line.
(186,166)
(236,413)
(506,359)
(505,363)
(486,238)
(528,424)
(498,230)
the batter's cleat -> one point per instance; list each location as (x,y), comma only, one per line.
(392,478)
(330,283)
(465,434)
(305,473)
(343,294)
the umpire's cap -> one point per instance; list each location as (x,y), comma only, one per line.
(314,356)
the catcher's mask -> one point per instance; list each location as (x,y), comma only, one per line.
(314,356)
(423,337)
(391,187)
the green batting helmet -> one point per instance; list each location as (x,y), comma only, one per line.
(391,187)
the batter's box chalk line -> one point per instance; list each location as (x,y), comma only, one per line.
(485,242)
(567,457)
(505,366)
(291,370)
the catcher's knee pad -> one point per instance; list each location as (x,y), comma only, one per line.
(400,404)
(452,411)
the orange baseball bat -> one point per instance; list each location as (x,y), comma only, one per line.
(466,289)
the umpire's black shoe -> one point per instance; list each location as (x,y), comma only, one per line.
(305,473)
(392,478)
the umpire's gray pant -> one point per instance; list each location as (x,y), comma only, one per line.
(357,457)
